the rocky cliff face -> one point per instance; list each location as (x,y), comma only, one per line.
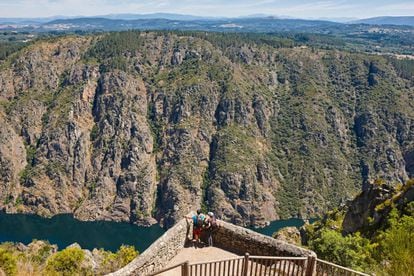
(142,127)
(370,210)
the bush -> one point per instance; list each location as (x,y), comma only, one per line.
(388,251)
(26,175)
(42,254)
(8,262)
(351,251)
(126,254)
(396,245)
(94,132)
(66,262)
(114,261)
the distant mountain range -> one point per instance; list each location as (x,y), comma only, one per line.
(38,20)
(264,24)
(169,16)
(385,20)
(388,20)
(164,21)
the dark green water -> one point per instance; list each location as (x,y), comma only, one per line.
(64,230)
(278,224)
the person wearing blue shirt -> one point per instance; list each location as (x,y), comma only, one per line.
(198,223)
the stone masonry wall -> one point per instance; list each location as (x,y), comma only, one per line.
(159,253)
(240,240)
(229,237)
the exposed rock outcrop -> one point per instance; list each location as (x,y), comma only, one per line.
(145,127)
(369,209)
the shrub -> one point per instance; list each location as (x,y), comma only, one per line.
(351,251)
(43,253)
(8,262)
(396,245)
(94,132)
(114,261)
(108,263)
(66,262)
(125,254)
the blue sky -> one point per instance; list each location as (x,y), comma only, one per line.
(231,8)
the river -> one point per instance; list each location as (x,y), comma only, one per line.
(64,230)
(278,224)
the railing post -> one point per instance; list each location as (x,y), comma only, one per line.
(185,269)
(245,264)
(310,267)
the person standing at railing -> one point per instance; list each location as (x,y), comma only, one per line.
(198,224)
(210,227)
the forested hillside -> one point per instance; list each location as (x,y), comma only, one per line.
(373,233)
(145,126)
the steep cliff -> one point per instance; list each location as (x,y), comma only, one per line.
(371,233)
(146,126)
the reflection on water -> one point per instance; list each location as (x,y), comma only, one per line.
(64,230)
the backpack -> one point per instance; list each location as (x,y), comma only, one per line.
(200,220)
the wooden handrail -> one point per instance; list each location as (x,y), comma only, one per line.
(216,261)
(309,269)
(341,267)
(278,258)
(168,268)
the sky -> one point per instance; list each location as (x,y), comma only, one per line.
(215,8)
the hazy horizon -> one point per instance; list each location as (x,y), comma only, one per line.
(207,8)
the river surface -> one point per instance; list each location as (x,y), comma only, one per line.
(278,224)
(64,230)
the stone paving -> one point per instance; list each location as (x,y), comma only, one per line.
(195,255)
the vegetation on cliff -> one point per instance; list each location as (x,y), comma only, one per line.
(146,126)
(373,239)
(42,258)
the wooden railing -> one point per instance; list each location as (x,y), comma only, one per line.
(184,268)
(263,266)
(324,268)
(247,266)
(269,266)
(225,267)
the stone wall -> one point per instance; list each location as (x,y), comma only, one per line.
(159,253)
(228,236)
(240,240)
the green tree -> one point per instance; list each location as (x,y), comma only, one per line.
(396,244)
(351,251)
